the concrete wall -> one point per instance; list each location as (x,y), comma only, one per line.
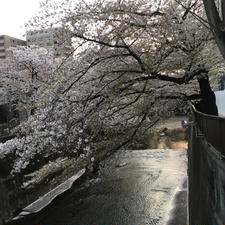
(10,203)
(6,113)
(10,200)
(206,182)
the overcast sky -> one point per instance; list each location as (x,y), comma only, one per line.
(13,15)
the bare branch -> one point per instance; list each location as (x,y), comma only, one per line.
(98,41)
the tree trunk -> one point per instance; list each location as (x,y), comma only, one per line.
(216,22)
(208,99)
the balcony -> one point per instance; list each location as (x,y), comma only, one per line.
(2,54)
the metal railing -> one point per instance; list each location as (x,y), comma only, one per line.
(213,128)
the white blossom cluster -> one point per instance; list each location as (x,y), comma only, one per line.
(128,59)
(52,131)
(57,126)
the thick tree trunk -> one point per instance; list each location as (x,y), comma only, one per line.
(216,22)
(208,100)
(217,25)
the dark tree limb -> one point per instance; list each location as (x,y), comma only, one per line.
(101,42)
(182,96)
(177,80)
(208,100)
(217,25)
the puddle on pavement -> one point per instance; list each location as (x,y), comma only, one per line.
(168,139)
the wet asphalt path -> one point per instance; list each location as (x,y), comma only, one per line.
(133,188)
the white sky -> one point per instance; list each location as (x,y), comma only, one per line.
(14,14)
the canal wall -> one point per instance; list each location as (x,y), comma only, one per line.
(206,173)
(10,201)
(20,190)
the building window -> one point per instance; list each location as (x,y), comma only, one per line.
(2,50)
(2,44)
(49,44)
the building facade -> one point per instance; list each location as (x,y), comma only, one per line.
(45,38)
(49,39)
(6,42)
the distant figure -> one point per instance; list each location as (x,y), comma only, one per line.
(184,124)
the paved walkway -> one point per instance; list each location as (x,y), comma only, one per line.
(133,187)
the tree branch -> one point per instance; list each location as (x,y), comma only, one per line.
(216,23)
(101,42)
(212,14)
(178,80)
(223,10)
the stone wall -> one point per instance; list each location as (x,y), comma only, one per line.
(206,181)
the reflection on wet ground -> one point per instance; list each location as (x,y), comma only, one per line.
(168,134)
(132,187)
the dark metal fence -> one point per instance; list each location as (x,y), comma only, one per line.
(206,169)
(213,128)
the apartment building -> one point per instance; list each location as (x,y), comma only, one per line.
(49,39)
(44,38)
(6,42)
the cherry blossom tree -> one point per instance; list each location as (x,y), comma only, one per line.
(28,70)
(130,58)
(136,42)
(57,126)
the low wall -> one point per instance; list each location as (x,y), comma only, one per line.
(10,203)
(206,181)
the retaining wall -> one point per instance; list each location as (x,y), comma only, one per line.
(10,202)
